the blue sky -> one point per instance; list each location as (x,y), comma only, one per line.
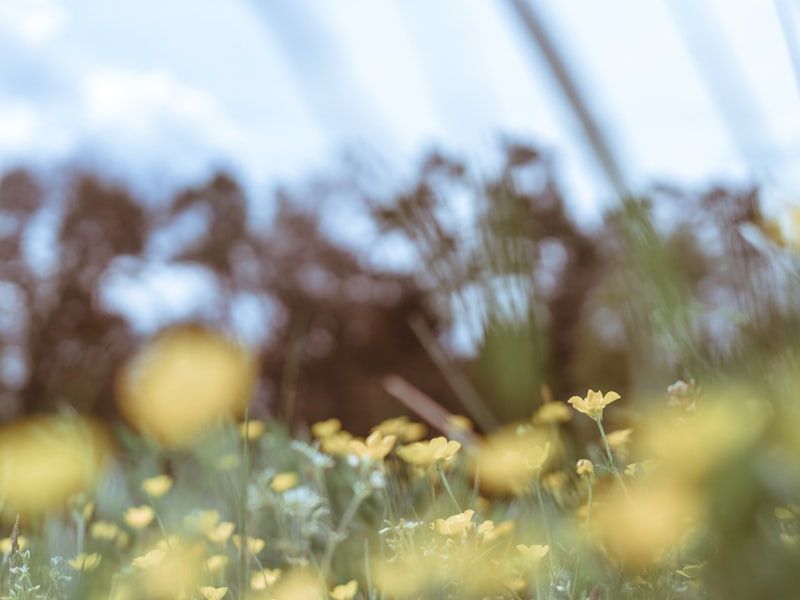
(167,90)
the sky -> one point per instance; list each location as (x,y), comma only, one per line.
(692,92)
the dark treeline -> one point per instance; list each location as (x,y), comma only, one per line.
(674,285)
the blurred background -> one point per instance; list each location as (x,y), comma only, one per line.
(498,201)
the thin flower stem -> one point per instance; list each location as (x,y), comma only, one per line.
(590,480)
(348,515)
(449,490)
(245,474)
(546,533)
(611,464)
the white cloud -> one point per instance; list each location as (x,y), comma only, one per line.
(32,21)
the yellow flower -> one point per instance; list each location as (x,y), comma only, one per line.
(184,381)
(374,448)
(456,525)
(5,544)
(46,460)
(216,562)
(509,461)
(85,562)
(325,429)
(426,453)
(221,532)
(458,423)
(151,559)
(402,428)
(202,520)
(284,481)
(533,553)
(584,467)
(594,403)
(139,517)
(212,593)
(104,530)
(254,545)
(260,580)
(552,412)
(254,429)
(157,486)
(337,443)
(346,591)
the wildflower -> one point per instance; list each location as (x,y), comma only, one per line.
(139,517)
(551,413)
(47,460)
(5,544)
(402,428)
(155,487)
(151,559)
(201,520)
(584,467)
(260,580)
(533,553)
(212,593)
(458,423)
(216,562)
(254,545)
(85,562)
(220,532)
(252,429)
(783,513)
(508,461)
(427,453)
(325,429)
(346,591)
(104,530)
(284,481)
(374,448)
(185,380)
(594,403)
(489,532)
(456,525)
(337,443)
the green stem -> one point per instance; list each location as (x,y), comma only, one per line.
(590,480)
(447,487)
(611,464)
(547,535)
(245,472)
(347,517)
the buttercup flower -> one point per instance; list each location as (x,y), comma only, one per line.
(85,562)
(346,591)
(139,517)
(533,553)
(552,412)
(594,403)
(157,486)
(284,481)
(426,453)
(455,525)
(259,580)
(374,448)
(212,593)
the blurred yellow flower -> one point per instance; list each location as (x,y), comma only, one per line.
(594,403)
(260,580)
(220,532)
(5,544)
(426,453)
(783,513)
(284,481)
(552,412)
(458,423)
(157,486)
(254,545)
(640,528)
(402,428)
(254,429)
(213,593)
(216,563)
(508,461)
(374,448)
(104,530)
(345,591)
(46,460)
(456,525)
(150,559)
(184,381)
(533,553)
(201,521)
(139,517)
(298,585)
(85,562)
(325,429)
